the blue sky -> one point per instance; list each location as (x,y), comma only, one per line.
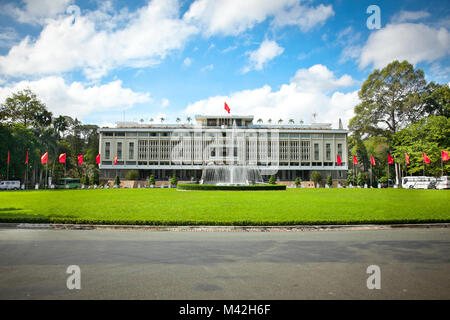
(101,61)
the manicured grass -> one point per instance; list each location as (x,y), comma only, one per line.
(172,207)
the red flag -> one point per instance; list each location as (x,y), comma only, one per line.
(445,156)
(97,159)
(406,158)
(425,158)
(339,160)
(372,160)
(390,159)
(26,159)
(7,160)
(80,159)
(355,160)
(62,158)
(115,160)
(44,158)
(227,107)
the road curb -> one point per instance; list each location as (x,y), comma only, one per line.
(294,228)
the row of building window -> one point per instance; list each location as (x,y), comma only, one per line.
(145,149)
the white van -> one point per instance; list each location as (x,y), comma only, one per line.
(422,182)
(10,185)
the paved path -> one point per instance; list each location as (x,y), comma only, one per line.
(414,263)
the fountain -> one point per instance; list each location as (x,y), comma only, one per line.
(233,172)
(233,175)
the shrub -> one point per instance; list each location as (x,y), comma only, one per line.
(350,178)
(85,180)
(117,181)
(329,181)
(132,175)
(151,180)
(173,181)
(95,177)
(297,181)
(316,177)
(383,179)
(272,180)
(362,179)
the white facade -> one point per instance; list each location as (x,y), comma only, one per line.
(285,150)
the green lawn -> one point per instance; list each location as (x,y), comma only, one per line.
(172,207)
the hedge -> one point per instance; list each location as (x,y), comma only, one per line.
(255,187)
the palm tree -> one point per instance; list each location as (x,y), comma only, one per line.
(61,124)
(188,119)
(259,120)
(141,121)
(291,121)
(269,121)
(280,121)
(151,120)
(162,119)
(178,120)
(301,121)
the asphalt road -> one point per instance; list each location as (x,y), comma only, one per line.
(414,264)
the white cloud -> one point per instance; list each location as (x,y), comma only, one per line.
(77,99)
(87,43)
(313,89)
(187,62)
(406,41)
(304,17)
(267,51)
(405,16)
(233,17)
(350,53)
(207,68)
(164,102)
(36,11)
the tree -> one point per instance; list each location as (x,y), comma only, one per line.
(178,120)
(24,107)
(297,181)
(429,135)
(316,177)
(280,121)
(132,175)
(60,124)
(272,180)
(260,120)
(387,98)
(162,119)
(329,181)
(291,121)
(188,119)
(151,180)
(269,121)
(436,99)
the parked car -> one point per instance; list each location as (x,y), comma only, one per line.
(10,185)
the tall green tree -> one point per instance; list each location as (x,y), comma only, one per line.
(24,107)
(387,98)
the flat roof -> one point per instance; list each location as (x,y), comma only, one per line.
(202,117)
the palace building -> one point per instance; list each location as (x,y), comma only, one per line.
(286,150)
